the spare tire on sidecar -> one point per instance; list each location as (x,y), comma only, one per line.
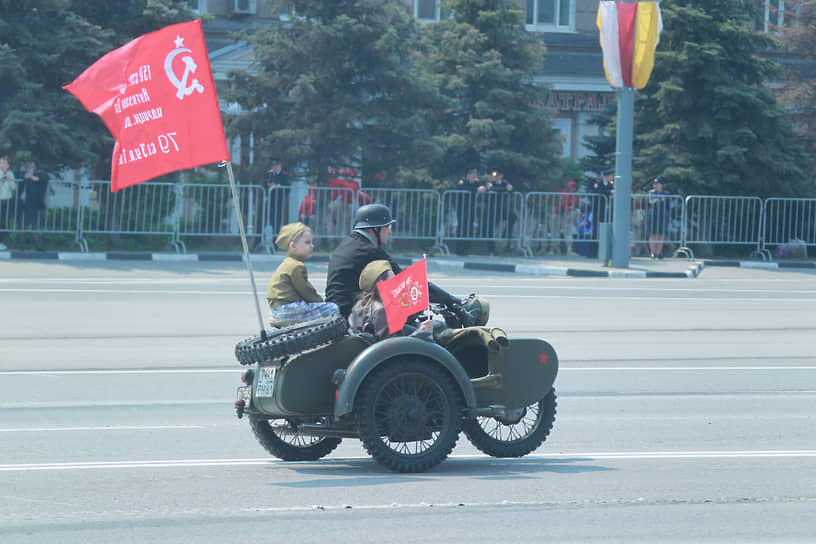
(291,340)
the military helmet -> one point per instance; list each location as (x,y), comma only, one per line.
(477,308)
(373,215)
(372,272)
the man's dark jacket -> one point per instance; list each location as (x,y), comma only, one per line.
(348,261)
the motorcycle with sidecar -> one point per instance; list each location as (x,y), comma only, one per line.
(312,384)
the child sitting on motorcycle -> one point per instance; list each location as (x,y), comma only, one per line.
(368,312)
(291,297)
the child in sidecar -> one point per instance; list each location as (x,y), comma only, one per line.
(368,313)
(291,297)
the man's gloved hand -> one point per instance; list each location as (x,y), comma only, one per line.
(457,308)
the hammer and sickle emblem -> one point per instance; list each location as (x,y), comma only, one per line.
(189,68)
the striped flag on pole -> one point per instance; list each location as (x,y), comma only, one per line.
(630,32)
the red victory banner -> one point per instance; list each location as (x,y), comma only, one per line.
(404,295)
(157,97)
(629,33)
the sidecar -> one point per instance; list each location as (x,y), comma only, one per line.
(406,399)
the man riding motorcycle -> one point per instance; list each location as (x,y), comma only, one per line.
(366,243)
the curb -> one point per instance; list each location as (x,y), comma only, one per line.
(137,256)
(541,270)
(276,258)
(763,265)
(693,271)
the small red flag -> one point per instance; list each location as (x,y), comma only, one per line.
(157,97)
(404,295)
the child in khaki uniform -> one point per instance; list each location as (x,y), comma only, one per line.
(290,296)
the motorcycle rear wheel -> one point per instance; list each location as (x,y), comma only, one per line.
(515,435)
(281,438)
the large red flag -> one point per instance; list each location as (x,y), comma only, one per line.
(404,295)
(157,97)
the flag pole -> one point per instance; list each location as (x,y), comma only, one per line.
(241,229)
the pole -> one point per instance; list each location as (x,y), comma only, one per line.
(240,218)
(623,179)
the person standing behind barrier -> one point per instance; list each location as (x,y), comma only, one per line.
(570,213)
(604,187)
(657,217)
(638,222)
(340,207)
(585,230)
(308,206)
(8,188)
(275,180)
(499,214)
(35,185)
(290,295)
(466,210)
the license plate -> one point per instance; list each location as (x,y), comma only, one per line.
(245,394)
(266,381)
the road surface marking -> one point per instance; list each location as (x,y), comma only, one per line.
(100,428)
(577,456)
(237,370)
(146,371)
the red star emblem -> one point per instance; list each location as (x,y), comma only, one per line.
(543,358)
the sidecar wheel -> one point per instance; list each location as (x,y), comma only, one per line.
(518,434)
(408,415)
(291,340)
(280,438)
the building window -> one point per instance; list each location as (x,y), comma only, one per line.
(425,10)
(772,15)
(549,14)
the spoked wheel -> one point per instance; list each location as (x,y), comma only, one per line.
(281,438)
(408,415)
(517,433)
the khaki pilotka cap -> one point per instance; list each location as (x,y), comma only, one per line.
(288,233)
(372,271)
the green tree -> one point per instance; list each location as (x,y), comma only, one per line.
(331,86)
(45,44)
(706,122)
(601,146)
(485,63)
(798,90)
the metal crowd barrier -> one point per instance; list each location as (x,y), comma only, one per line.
(264,213)
(536,222)
(490,217)
(143,209)
(51,220)
(553,220)
(416,211)
(11,212)
(333,218)
(208,210)
(789,220)
(335,207)
(724,220)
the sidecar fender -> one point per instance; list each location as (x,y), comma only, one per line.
(391,351)
(519,375)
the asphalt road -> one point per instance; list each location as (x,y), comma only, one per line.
(685,414)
